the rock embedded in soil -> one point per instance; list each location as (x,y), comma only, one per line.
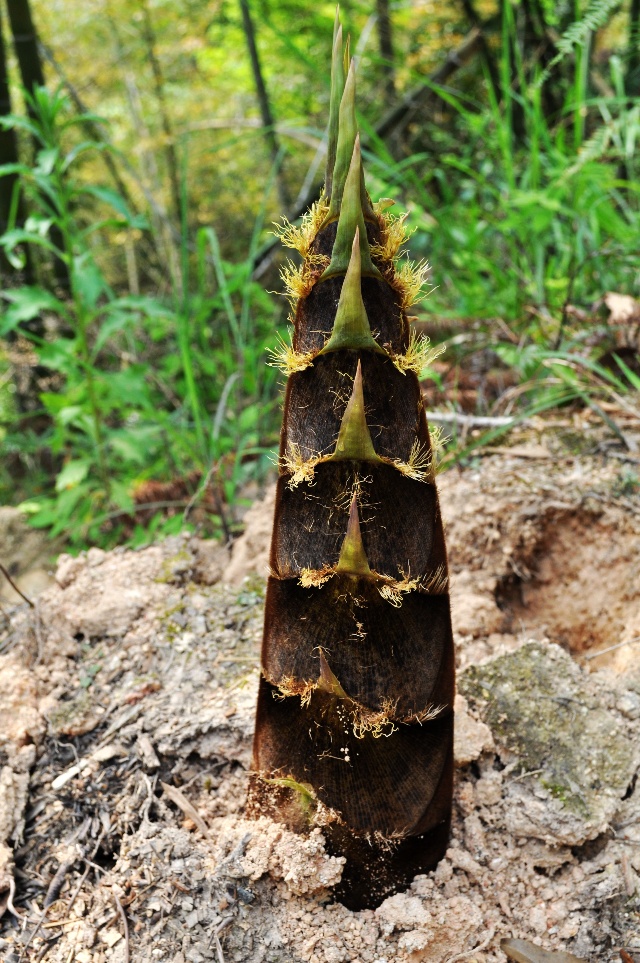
(560,725)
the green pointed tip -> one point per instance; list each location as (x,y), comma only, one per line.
(327,681)
(342,124)
(354,440)
(350,219)
(367,207)
(353,559)
(337,90)
(336,23)
(351,329)
(347,61)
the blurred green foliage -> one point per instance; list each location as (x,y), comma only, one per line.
(519,172)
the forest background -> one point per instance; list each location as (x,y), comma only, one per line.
(146,148)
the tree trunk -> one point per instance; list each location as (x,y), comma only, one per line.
(8,155)
(632,77)
(25,42)
(263,99)
(486,51)
(385,43)
(158,83)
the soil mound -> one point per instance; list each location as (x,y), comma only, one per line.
(126,718)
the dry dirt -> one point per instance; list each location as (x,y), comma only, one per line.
(126,716)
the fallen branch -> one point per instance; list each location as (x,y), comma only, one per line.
(469,421)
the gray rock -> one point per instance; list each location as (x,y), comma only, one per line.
(557,723)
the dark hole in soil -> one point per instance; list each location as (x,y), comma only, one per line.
(508,595)
(592,848)
(581,586)
(631,788)
(106,859)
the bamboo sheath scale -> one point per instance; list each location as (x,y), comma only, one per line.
(354,728)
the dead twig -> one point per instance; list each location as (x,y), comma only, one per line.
(57,882)
(53,892)
(622,456)
(611,648)
(187,808)
(125,925)
(15,587)
(33,934)
(215,937)
(219,953)
(480,946)
(12,893)
(48,945)
(38,630)
(120,724)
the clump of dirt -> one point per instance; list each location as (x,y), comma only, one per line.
(546,548)
(539,543)
(127,702)
(583,590)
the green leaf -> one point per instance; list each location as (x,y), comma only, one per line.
(15,121)
(27,303)
(81,148)
(114,322)
(10,239)
(59,355)
(38,224)
(89,279)
(72,415)
(46,161)
(43,512)
(30,507)
(121,497)
(71,508)
(148,306)
(72,474)
(631,376)
(108,196)
(6,169)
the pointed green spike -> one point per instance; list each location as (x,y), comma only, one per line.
(347,53)
(351,327)
(327,681)
(351,218)
(336,22)
(353,559)
(367,207)
(354,439)
(347,131)
(337,89)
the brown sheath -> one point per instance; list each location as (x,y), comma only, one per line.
(354,728)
